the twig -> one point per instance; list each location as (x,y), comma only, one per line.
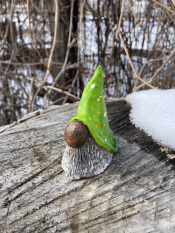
(126,51)
(54,40)
(6,33)
(30,92)
(15,79)
(135,18)
(135,88)
(162,66)
(169,15)
(58,100)
(72,85)
(121,15)
(12,54)
(30,31)
(162,26)
(77,65)
(71,45)
(113,38)
(164,7)
(52,50)
(29,64)
(147,20)
(172,3)
(59,90)
(68,48)
(80,27)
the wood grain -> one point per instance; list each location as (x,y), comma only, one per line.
(136,193)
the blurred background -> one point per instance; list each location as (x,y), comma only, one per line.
(50,49)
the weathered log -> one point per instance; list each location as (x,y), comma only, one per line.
(134,194)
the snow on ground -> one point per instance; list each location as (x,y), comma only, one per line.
(153,111)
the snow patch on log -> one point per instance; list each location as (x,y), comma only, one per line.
(153,111)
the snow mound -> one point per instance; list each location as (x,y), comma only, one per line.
(153,111)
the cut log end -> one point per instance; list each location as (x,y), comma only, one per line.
(87,161)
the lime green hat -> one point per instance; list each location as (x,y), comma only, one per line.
(92,112)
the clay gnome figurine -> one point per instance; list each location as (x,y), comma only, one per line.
(90,142)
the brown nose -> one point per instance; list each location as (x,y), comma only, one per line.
(76,134)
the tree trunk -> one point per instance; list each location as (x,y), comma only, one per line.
(134,194)
(61,45)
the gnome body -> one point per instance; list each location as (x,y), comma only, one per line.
(95,155)
(87,161)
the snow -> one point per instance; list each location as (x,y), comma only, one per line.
(153,111)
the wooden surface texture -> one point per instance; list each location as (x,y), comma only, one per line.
(135,194)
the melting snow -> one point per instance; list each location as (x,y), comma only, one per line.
(154,112)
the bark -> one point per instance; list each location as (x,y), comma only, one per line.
(134,194)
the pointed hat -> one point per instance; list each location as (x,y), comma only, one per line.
(92,112)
